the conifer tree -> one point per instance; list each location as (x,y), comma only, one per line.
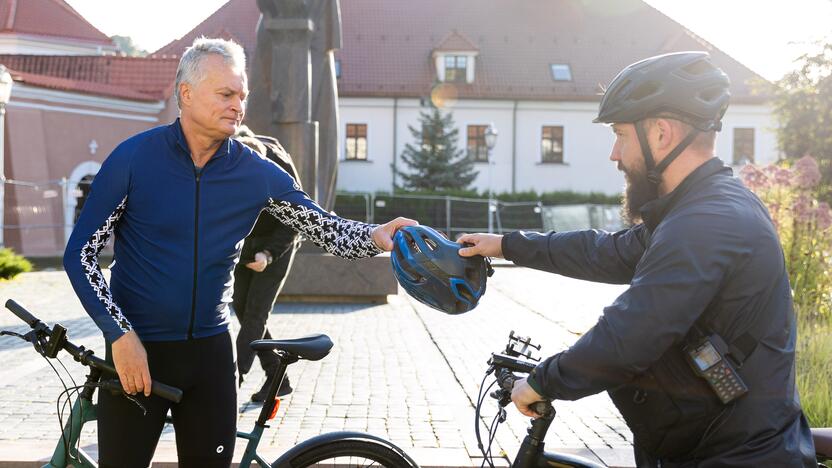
(434,161)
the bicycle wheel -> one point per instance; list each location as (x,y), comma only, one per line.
(349,453)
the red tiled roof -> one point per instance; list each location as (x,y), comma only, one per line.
(47,18)
(137,78)
(236,19)
(387,45)
(456,42)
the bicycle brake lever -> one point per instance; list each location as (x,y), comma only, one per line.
(115,388)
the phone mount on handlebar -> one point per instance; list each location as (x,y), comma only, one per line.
(523,343)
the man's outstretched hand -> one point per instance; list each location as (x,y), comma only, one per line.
(487,245)
(383,234)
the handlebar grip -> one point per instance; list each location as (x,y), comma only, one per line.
(166,391)
(541,407)
(21,313)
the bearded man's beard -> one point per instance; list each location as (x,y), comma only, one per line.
(639,191)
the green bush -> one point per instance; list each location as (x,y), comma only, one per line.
(12,264)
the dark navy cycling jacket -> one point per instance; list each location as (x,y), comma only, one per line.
(707,249)
(178,233)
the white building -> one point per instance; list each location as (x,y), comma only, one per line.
(533,68)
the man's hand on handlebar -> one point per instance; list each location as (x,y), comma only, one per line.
(487,245)
(130,360)
(523,395)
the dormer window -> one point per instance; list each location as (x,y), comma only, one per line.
(455,59)
(561,72)
(456,68)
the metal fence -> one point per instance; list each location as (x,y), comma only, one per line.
(39,216)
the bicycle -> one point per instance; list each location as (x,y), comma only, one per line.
(348,449)
(531,453)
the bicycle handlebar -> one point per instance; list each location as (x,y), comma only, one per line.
(86,357)
(21,313)
(504,368)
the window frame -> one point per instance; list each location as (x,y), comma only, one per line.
(735,160)
(355,144)
(480,145)
(459,68)
(562,66)
(543,159)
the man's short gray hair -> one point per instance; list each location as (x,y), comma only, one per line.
(189,70)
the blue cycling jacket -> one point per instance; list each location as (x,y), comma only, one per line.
(178,233)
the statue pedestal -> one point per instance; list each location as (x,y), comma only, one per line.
(317,276)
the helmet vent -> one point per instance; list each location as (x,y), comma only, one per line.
(645,90)
(411,243)
(465,293)
(699,67)
(432,245)
(710,95)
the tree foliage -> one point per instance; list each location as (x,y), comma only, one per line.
(125,44)
(434,162)
(803,107)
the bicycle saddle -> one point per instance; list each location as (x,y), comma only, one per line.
(311,348)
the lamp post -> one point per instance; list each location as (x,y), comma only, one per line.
(5,95)
(490,142)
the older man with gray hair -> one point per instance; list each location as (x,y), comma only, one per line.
(180,198)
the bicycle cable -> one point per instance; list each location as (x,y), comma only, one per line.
(477,421)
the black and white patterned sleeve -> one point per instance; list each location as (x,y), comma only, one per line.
(87,278)
(338,236)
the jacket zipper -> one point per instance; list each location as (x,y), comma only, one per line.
(197,175)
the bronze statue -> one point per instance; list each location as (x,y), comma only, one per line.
(293,87)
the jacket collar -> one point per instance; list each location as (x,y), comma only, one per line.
(654,211)
(179,139)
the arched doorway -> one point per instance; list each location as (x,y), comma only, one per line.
(75,193)
(81,194)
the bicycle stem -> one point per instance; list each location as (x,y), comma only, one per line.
(532,446)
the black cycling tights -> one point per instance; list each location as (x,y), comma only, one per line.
(204,421)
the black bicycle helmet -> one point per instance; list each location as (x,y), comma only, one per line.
(429,268)
(684,85)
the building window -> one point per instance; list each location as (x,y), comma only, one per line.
(456,68)
(743,146)
(561,72)
(337,68)
(551,144)
(356,142)
(477,149)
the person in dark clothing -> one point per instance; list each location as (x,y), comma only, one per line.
(705,268)
(265,260)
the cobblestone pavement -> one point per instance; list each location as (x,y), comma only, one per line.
(398,370)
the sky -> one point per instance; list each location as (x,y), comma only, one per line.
(765,35)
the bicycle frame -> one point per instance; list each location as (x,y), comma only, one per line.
(82,412)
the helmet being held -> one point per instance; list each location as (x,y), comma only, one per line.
(429,268)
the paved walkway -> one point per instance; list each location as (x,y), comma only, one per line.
(398,370)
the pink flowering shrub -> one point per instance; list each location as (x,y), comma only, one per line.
(804,226)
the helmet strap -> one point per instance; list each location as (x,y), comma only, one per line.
(654,171)
(653,176)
